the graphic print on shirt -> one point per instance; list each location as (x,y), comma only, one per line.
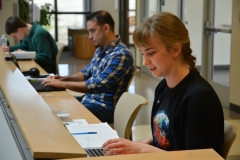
(161,129)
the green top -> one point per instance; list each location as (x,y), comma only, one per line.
(40,41)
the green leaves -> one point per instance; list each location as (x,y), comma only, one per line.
(24,9)
(46,13)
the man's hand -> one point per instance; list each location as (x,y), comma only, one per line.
(19,50)
(54,81)
(5,48)
(56,77)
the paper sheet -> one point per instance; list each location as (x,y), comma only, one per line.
(94,140)
(99,128)
(92,135)
(76,122)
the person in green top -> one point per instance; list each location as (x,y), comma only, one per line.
(34,38)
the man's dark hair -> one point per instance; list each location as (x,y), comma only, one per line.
(13,23)
(102,17)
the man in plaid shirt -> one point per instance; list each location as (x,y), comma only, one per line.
(106,77)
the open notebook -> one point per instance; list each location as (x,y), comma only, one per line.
(27,55)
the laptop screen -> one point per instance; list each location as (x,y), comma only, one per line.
(14,60)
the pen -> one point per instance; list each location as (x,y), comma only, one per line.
(83,133)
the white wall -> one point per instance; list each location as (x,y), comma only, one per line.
(6,12)
(109,6)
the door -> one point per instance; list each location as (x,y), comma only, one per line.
(217,46)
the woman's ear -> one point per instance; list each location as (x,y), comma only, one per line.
(177,49)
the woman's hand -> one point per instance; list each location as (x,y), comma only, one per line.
(123,146)
(120,146)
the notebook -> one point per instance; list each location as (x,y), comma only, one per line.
(28,55)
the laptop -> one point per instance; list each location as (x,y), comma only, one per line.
(94,152)
(36,83)
(14,60)
(64,117)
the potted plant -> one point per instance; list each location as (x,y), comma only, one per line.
(24,10)
(45,12)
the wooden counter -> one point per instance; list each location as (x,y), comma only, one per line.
(203,154)
(76,109)
(27,65)
(44,134)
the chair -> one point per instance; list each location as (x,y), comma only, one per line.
(125,113)
(60,50)
(229,137)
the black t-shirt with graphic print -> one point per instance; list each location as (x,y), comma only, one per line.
(188,116)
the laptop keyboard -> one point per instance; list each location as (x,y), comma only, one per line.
(37,85)
(94,152)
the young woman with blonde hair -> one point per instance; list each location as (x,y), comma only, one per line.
(187,113)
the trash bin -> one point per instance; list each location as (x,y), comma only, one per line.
(84,47)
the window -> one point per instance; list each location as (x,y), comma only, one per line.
(132,17)
(66,14)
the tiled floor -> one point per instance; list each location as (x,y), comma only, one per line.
(141,128)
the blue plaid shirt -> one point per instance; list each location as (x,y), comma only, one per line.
(108,74)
